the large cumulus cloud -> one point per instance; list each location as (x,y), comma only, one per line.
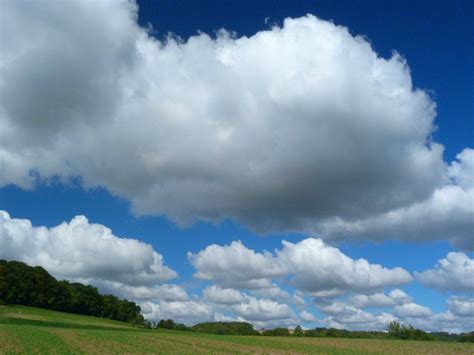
(283,130)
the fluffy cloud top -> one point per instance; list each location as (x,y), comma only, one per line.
(219,295)
(307,317)
(312,266)
(236,266)
(399,296)
(84,251)
(461,307)
(395,297)
(324,270)
(188,312)
(283,130)
(454,273)
(374,300)
(412,310)
(462,171)
(167,292)
(258,310)
(342,315)
(459,317)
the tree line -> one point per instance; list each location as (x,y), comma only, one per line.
(395,330)
(35,287)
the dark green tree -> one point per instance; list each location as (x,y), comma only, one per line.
(34,286)
(298,332)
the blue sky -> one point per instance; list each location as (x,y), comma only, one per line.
(89,143)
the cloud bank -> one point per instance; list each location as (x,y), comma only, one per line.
(301,127)
(283,288)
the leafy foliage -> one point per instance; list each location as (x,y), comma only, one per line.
(225,328)
(278,332)
(298,332)
(171,324)
(397,330)
(34,286)
(343,333)
(467,337)
(444,336)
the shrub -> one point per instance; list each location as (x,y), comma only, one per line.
(225,328)
(467,337)
(397,330)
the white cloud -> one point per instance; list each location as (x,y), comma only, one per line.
(214,306)
(339,308)
(343,315)
(462,171)
(167,292)
(284,130)
(236,266)
(454,273)
(275,293)
(412,310)
(324,270)
(374,300)
(80,250)
(399,296)
(259,311)
(187,312)
(307,317)
(361,320)
(447,322)
(395,297)
(226,296)
(459,317)
(312,266)
(461,307)
(298,299)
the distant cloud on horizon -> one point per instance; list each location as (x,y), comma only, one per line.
(283,288)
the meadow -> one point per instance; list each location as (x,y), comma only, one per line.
(34,330)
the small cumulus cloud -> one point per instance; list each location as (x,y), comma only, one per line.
(453,273)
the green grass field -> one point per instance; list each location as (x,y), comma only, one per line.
(32,330)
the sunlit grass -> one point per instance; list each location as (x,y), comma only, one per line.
(32,330)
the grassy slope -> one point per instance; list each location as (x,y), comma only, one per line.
(24,329)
